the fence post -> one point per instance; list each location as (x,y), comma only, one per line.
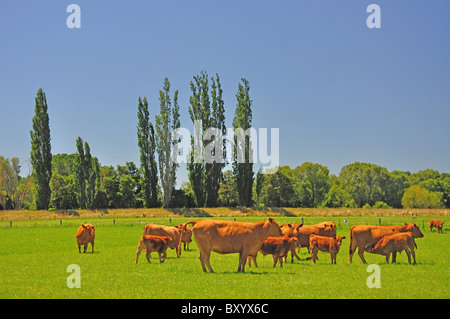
(60,222)
(114,221)
(379,221)
(10,224)
(302,220)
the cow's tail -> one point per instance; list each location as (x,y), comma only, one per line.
(351,239)
(183,227)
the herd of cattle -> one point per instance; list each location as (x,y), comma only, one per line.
(247,239)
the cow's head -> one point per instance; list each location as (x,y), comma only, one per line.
(295,243)
(338,240)
(90,229)
(414,229)
(274,229)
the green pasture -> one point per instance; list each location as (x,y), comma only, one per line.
(35,254)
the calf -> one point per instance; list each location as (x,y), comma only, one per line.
(393,244)
(276,246)
(85,235)
(152,243)
(436,223)
(186,236)
(160,230)
(325,244)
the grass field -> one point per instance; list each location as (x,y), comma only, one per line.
(35,253)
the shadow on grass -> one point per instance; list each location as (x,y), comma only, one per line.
(189,212)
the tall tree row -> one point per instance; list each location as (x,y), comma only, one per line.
(208,143)
(41,156)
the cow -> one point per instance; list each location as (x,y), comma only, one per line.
(161,230)
(290,230)
(325,244)
(327,229)
(368,235)
(436,223)
(228,237)
(276,246)
(186,236)
(151,244)
(85,236)
(393,244)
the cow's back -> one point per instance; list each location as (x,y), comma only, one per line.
(161,230)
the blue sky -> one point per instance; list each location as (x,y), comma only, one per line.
(338,91)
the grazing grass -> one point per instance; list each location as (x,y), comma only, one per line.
(35,253)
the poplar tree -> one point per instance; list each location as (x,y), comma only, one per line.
(147,146)
(166,123)
(41,156)
(243,167)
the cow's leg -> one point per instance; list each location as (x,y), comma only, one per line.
(314,252)
(79,248)
(137,255)
(148,255)
(85,248)
(242,259)
(413,253)
(274,259)
(204,259)
(293,254)
(387,258)
(361,254)
(394,257)
(408,253)
(92,244)
(281,261)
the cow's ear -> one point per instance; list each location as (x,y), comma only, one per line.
(343,237)
(300,225)
(406,224)
(271,220)
(83,226)
(290,226)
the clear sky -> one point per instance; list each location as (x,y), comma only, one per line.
(338,91)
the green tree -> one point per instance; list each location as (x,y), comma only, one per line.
(64,191)
(278,190)
(228,195)
(167,122)
(312,182)
(80,174)
(243,151)
(147,146)
(418,197)
(41,156)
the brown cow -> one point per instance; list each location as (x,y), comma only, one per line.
(161,230)
(362,236)
(327,229)
(276,246)
(436,223)
(393,244)
(228,237)
(186,236)
(151,244)
(85,235)
(325,244)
